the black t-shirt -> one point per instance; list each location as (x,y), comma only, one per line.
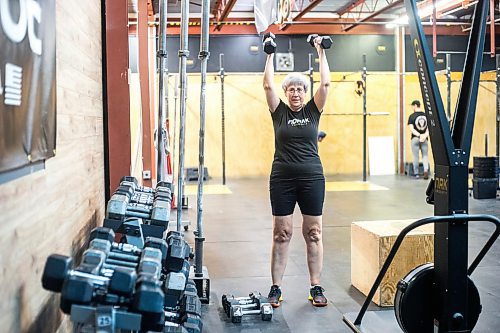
(419,122)
(296,142)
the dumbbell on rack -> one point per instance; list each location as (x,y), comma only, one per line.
(188,314)
(142,291)
(135,284)
(132,181)
(269,45)
(102,239)
(81,286)
(153,209)
(178,250)
(175,285)
(325,42)
(190,309)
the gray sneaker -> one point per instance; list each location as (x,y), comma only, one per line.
(274,296)
(317,297)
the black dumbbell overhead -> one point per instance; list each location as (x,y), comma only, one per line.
(325,43)
(269,44)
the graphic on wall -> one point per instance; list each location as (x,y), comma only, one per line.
(27,82)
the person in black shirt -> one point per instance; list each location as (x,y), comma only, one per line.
(297,174)
(417,123)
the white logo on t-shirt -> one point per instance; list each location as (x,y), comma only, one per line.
(421,123)
(298,122)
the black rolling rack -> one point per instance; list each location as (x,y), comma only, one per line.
(449,294)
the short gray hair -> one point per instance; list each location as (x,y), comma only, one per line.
(295,79)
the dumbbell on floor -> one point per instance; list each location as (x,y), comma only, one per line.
(325,42)
(269,45)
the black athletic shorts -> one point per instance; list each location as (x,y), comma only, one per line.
(309,194)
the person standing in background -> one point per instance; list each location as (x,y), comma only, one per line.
(417,122)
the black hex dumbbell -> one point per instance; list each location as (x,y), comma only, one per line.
(159,244)
(126,255)
(190,312)
(325,43)
(148,296)
(122,282)
(175,285)
(269,45)
(55,271)
(77,286)
(132,181)
(177,252)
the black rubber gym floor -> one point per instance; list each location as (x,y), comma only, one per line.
(238,230)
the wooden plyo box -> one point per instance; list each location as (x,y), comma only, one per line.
(371,242)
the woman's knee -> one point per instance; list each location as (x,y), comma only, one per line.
(282,235)
(313,235)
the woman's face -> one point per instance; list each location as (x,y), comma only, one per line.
(295,95)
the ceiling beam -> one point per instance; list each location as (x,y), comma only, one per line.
(374,14)
(222,11)
(346,9)
(312,4)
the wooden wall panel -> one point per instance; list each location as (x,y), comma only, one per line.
(52,211)
(249,133)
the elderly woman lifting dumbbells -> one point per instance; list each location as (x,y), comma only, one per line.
(297,174)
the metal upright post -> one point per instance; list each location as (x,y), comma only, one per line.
(183,54)
(365,114)
(174,134)
(203,56)
(311,76)
(200,277)
(163,93)
(223,119)
(448,85)
(498,106)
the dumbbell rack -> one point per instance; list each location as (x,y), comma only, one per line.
(121,287)
(148,208)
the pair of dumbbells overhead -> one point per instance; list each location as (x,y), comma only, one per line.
(269,43)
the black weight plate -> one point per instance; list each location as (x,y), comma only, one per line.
(413,301)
